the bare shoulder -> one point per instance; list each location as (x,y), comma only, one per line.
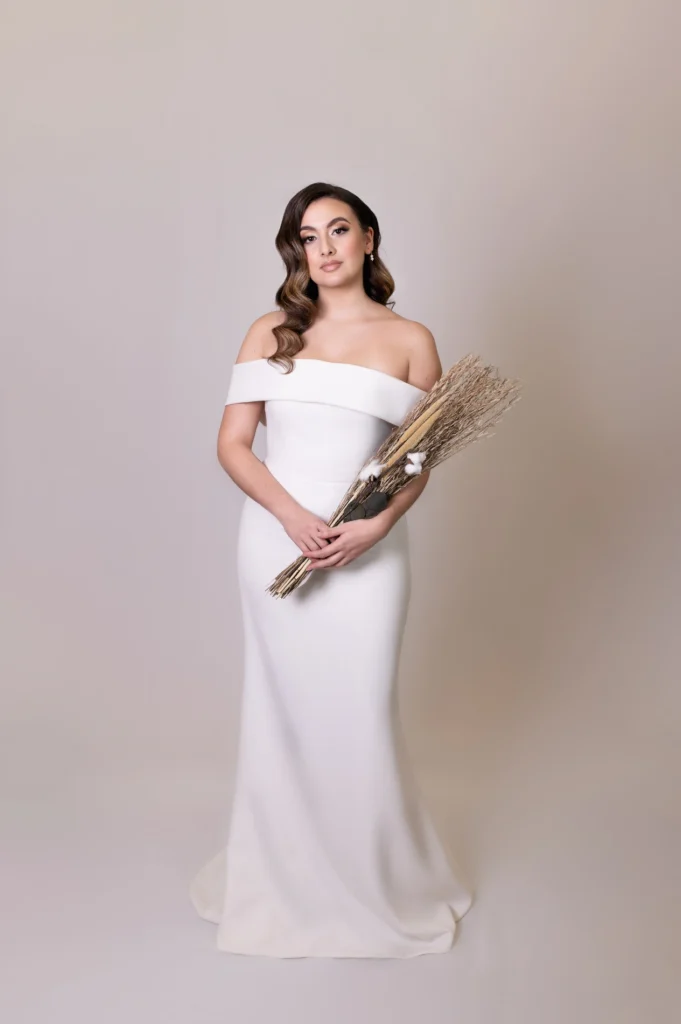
(259,342)
(425,367)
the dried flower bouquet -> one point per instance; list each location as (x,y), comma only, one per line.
(461,407)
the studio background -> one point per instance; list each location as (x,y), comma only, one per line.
(523,161)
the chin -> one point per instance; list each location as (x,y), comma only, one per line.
(340,277)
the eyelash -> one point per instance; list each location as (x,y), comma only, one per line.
(341,228)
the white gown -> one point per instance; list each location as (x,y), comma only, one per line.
(331,851)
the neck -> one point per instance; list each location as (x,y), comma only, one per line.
(347,302)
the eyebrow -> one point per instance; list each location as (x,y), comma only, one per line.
(308,227)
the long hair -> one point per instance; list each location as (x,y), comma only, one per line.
(297,296)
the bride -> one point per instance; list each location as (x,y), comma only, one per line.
(331,851)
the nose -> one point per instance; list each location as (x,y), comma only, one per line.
(327,249)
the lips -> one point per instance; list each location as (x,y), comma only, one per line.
(331,265)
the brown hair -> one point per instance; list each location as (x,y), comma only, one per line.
(298,294)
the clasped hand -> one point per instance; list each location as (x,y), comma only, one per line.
(330,547)
(352,539)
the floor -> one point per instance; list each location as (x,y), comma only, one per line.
(573,845)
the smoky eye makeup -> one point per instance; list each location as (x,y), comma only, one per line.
(340,227)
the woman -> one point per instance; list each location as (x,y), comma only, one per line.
(331,851)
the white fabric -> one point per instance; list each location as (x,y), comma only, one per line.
(331,851)
(315,380)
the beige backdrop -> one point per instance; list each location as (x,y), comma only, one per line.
(523,161)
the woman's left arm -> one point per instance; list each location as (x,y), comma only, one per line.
(400,502)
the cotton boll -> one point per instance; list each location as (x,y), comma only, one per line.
(372,469)
(416,464)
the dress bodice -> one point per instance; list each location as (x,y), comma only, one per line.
(324,419)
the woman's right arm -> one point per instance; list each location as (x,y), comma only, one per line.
(235,454)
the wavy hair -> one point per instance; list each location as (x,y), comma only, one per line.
(297,296)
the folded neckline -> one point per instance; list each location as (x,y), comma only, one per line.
(338,362)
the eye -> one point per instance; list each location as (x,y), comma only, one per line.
(342,228)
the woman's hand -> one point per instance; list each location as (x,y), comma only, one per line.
(305,529)
(352,540)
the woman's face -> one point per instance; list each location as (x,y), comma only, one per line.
(330,233)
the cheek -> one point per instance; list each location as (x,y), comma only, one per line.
(352,247)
